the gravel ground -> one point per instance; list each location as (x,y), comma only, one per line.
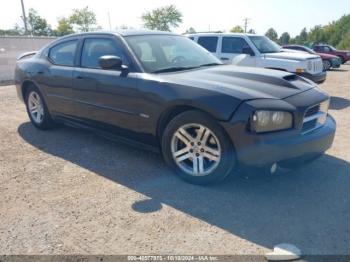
(70,192)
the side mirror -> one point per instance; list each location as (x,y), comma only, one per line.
(111,62)
(248,51)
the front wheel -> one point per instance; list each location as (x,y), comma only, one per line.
(327,65)
(198,148)
(37,109)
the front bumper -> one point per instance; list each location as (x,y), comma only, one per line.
(268,150)
(317,78)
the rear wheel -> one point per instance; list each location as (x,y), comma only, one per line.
(198,148)
(37,109)
(327,65)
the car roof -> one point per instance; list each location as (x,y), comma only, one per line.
(222,34)
(121,33)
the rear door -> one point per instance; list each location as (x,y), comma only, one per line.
(210,43)
(232,49)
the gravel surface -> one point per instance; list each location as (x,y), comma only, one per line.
(68,191)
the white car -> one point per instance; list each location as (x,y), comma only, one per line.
(259,51)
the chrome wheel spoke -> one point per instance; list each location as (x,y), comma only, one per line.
(211,157)
(195,166)
(201,164)
(183,157)
(182,151)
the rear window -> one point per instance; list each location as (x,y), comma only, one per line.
(208,42)
(63,53)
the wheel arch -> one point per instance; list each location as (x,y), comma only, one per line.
(24,87)
(173,111)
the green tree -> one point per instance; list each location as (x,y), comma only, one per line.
(190,30)
(237,29)
(272,34)
(64,27)
(285,38)
(37,25)
(162,18)
(318,35)
(83,19)
(251,31)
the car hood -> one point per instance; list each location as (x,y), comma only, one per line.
(326,56)
(299,56)
(244,83)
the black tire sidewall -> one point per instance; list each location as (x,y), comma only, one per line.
(327,62)
(228,158)
(47,122)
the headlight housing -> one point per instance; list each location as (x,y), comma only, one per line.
(267,121)
(348,54)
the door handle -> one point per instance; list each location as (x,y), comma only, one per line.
(79,77)
(224,58)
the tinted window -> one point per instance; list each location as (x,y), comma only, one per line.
(64,53)
(94,48)
(208,42)
(191,37)
(233,45)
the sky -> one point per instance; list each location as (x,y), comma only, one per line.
(203,15)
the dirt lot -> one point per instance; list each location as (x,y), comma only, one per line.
(70,192)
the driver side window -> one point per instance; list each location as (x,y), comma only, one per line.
(94,48)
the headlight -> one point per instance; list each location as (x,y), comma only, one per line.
(267,121)
(348,54)
(324,106)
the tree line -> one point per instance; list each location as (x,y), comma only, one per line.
(336,33)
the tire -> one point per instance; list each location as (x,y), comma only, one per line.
(197,148)
(37,110)
(327,65)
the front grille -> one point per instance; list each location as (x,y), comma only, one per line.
(308,126)
(311,119)
(313,110)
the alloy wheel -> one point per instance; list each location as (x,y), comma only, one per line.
(36,107)
(196,149)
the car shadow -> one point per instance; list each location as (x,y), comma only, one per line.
(339,103)
(338,70)
(309,208)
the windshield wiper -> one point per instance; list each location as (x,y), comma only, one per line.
(174,69)
(210,64)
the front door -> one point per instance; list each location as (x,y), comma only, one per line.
(232,51)
(105,98)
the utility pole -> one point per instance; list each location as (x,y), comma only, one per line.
(109,20)
(246,21)
(24,18)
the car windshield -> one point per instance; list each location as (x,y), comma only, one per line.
(309,50)
(167,53)
(265,45)
(332,48)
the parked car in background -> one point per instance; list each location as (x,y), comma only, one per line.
(328,49)
(329,61)
(259,51)
(166,92)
